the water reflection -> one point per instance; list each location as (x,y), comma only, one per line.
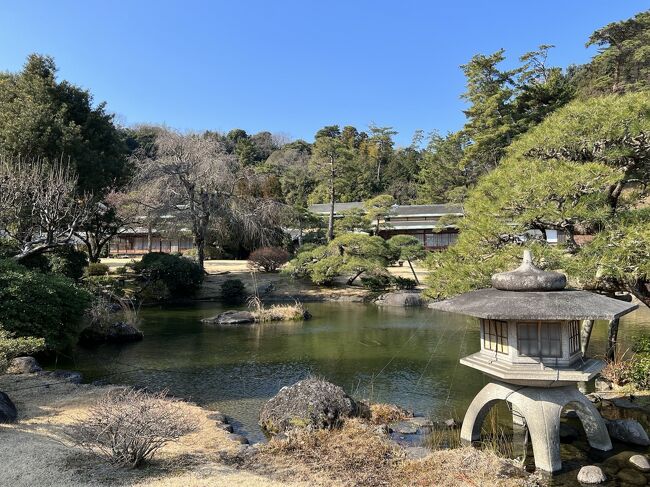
(404,356)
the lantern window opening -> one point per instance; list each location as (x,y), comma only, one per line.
(495,336)
(574,337)
(539,338)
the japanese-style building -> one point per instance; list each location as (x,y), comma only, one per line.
(141,240)
(421,221)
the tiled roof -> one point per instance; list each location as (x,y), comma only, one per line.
(398,210)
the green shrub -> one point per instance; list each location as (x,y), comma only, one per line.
(233,291)
(376,282)
(11,347)
(107,285)
(640,370)
(65,260)
(68,261)
(210,253)
(121,271)
(33,304)
(97,269)
(642,344)
(182,276)
(404,283)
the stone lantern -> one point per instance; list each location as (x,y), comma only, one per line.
(530,348)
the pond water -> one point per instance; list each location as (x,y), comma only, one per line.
(404,356)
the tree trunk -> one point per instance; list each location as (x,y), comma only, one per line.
(354,278)
(415,276)
(612,336)
(149,239)
(199,242)
(330,224)
(585,335)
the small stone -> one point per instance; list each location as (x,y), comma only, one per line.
(218,417)
(591,474)
(631,477)
(382,429)
(8,413)
(451,423)
(23,365)
(628,431)
(640,462)
(238,438)
(405,428)
(601,384)
(225,427)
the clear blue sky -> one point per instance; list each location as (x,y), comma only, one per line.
(290,66)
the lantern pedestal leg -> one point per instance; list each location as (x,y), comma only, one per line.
(541,408)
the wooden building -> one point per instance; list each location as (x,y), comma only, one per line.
(420,221)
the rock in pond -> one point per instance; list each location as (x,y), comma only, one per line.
(591,474)
(630,476)
(23,365)
(640,462)
(8,413)
(628,431)
(401,298)
(118,332)
(231,318)
(310,403)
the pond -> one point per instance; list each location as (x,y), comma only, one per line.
(396,355)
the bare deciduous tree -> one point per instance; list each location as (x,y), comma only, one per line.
(209,185)
(39,207)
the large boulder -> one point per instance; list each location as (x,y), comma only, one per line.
(8,413)
(401,298)
(23,365)
(628,431)
(118,332)
(310,403)
(231,318)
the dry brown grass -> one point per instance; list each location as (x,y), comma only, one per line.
(276,312)
(355,454)
(381,413)
(35,450)
(358,455)
(459,468)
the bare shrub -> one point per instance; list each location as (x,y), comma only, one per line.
(128,427)
(269,259)
(618,370)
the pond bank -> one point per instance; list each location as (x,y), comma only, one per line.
(34,451)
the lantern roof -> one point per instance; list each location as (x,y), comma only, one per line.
(529,293)
(496,304)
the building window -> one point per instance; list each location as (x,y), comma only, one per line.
(574,337)
(527,339)
(495,336)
